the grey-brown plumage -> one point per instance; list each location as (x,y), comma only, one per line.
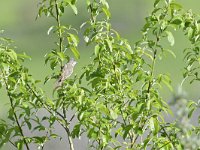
(67,71)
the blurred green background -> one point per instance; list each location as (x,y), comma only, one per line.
(17,18)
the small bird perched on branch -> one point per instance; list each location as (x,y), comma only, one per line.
(67,71)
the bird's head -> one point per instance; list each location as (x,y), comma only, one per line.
(72,62)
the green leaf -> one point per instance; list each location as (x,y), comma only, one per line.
(128,46)
(92,133)
(47,78)
(107,12)
(27,110)
(20,144)
(54,135)
(156,125)
(167,81)
(28,124)
(39,128)
(96,50)
(113,114)
(140,77)
(192,106)
(80,115)
(37,81)
(103,109)
(67,1)
(62,9)
(148,55)
(88,2)
(73,1)
(76,131)
(191,110)
(12,54)
(177,21)
(53,64)
(126,130)
(109,44)
(146,141)
(11,115)
(105,3)
(50,29)
(61,56)
(74,9)
(139,130)
(75,52)
(170,38)
(52,120)
(190,103)
(74,39)
(156,3)
(171,52)
(190,33)
(175,6)
(39,140)
(24,56)
(151,124)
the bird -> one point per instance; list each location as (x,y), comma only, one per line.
(66,72)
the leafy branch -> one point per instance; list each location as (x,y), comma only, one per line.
(14,113)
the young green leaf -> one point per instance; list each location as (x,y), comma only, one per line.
(170,38)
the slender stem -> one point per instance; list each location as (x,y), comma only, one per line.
(61,49)
(67,128)
(152,71)
(72,117)
(171,141)
(64,110)
(131,136)
(150,81)
(38,98)
(69,138)
(15,115)
(59,25)
(93,18)
(45,105)
(59,29)
(148,89)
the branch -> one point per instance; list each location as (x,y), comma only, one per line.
(61,49)
(65,126)
(59,28)
(72,117)
(150,81)
(15,115)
